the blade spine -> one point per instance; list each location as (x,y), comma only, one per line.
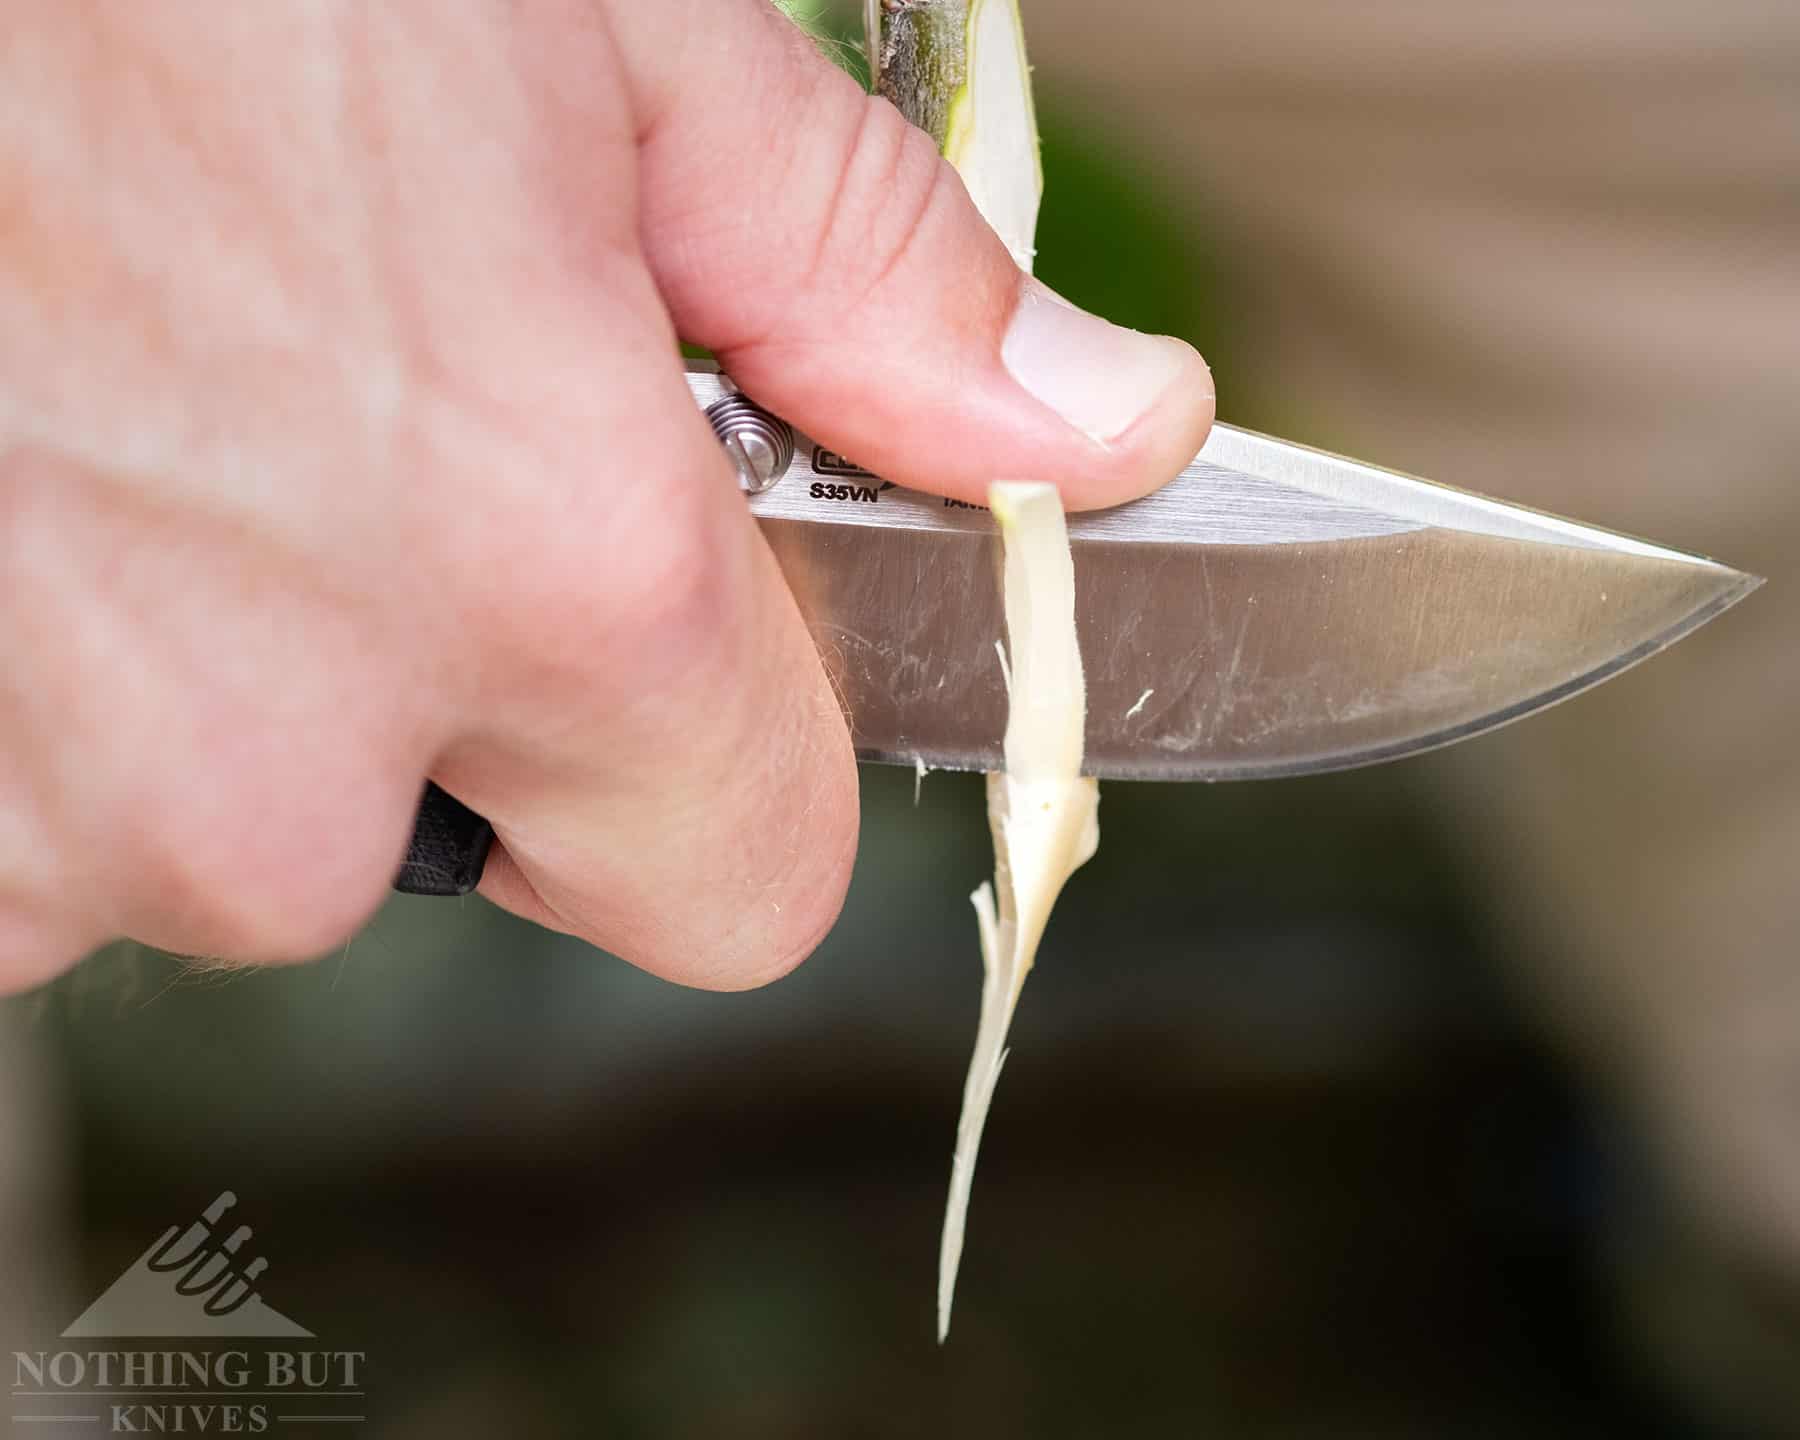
(704,369)
(1591,534)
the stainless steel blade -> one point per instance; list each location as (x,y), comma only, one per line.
(1273,611)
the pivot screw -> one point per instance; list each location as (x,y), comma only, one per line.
(760,446)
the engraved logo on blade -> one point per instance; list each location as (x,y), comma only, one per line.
(829,462)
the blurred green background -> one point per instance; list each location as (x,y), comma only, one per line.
(1284,1147)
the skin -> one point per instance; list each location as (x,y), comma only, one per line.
(343,442)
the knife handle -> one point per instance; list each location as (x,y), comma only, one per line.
(448,850)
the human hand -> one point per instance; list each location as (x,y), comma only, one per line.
(344,441)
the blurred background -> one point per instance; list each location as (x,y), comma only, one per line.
(1456,1096)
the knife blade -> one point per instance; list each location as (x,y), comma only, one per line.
(1273,611)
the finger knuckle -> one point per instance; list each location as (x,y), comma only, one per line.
(792,910)
(891,185)
(683,581)
(34,950)
(279,865)
(603,624)
(813,909)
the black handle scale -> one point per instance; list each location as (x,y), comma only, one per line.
(449,847)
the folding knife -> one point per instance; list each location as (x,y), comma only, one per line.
(1272,611)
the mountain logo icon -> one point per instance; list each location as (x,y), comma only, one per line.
(190,1283)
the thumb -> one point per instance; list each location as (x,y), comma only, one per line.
(821,247)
